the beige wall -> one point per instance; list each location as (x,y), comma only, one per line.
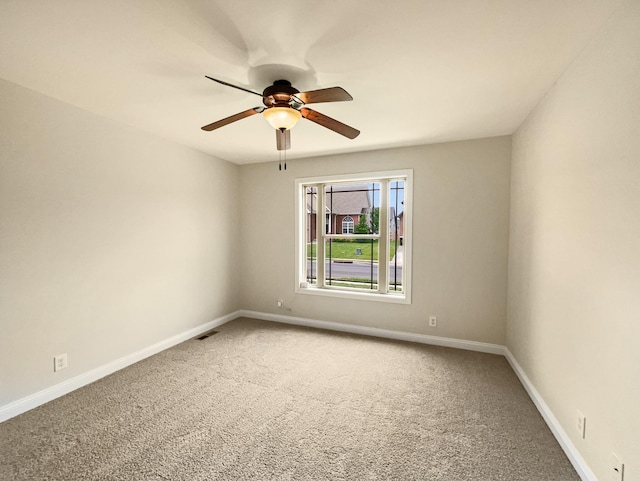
(111,239)
(460,226)
(574,263)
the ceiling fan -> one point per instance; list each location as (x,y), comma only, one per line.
(284,105)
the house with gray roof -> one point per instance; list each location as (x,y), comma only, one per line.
(344,207)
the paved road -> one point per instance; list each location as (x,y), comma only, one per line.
(341,270)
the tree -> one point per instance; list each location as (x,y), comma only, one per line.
(375,220)
(362,227)
(368,224)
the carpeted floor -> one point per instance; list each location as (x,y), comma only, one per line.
(265,401)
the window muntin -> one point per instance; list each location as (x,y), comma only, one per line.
(346,261)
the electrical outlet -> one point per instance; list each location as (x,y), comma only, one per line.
(433,321)
(581,424)
(280,303)
(617,468)
(59,362)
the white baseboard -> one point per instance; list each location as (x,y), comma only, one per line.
(560,434)
(377,332)
(41,397)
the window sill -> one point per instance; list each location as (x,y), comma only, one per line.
(362,296)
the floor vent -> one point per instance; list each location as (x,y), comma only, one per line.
(206,334)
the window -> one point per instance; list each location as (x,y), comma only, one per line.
(347,225)
(362,247)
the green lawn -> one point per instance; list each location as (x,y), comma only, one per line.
(348,250)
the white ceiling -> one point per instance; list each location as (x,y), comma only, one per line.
(420,71)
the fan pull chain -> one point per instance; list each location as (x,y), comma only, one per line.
(280,160)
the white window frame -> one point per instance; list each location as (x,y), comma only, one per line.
(382,294)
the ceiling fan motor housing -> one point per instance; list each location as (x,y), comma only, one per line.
(279,94)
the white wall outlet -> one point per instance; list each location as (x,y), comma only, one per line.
(433,321)
(581,424)
(280,303)
(59,362)
(617,468)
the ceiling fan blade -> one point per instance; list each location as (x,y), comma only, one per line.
(234,86)
(233,118)
(328,122)
(333,94)
(283,139)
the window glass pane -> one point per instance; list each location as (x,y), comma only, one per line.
(396,234)
(353,208)
(311,201)
(352,263)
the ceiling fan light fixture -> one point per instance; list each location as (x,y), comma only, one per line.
(282,117)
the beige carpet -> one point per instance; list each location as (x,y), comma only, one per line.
(265,401)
